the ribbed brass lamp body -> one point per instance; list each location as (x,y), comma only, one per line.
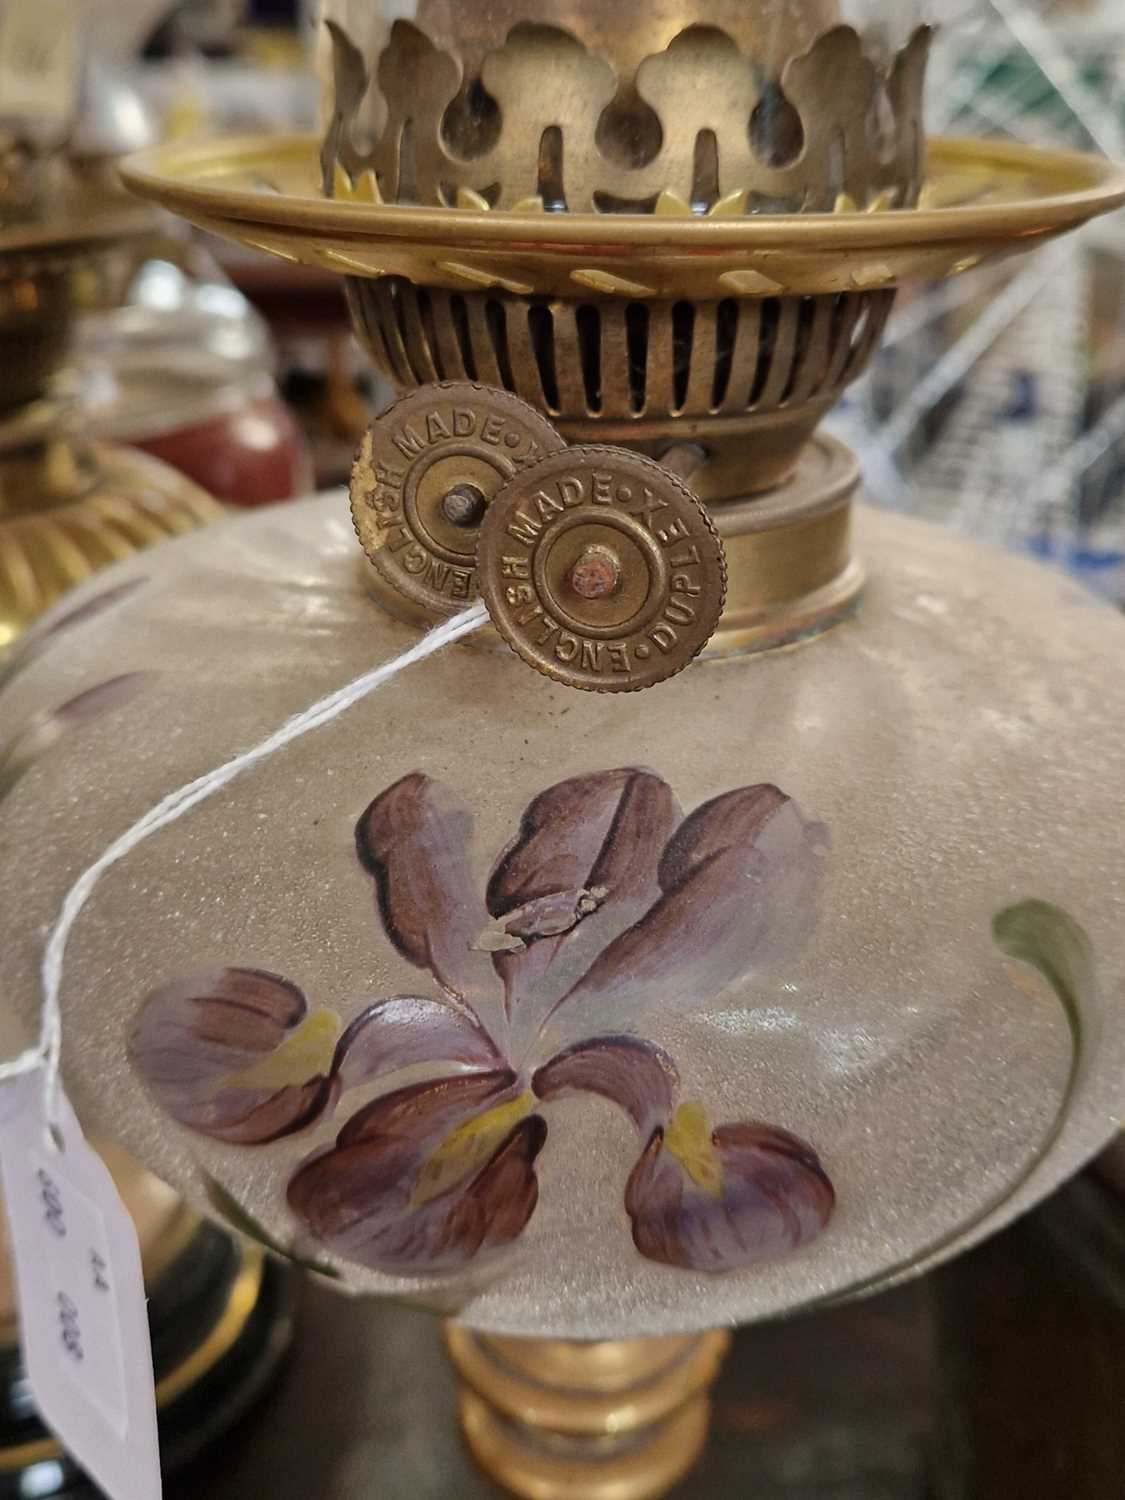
(67,507)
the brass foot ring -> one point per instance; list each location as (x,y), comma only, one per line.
(579,1402)
(574,1469)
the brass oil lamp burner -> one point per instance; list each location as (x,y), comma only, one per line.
(601,1021)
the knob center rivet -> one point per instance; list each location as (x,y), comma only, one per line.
(596,574)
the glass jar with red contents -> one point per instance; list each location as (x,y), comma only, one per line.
(192,385)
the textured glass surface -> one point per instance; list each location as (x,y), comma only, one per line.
(887,959)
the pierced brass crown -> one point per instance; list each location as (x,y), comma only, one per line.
(531,108)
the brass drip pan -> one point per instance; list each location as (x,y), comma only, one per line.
(982,199)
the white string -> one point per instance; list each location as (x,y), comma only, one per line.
(47,1051)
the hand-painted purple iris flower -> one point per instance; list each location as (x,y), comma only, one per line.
(427,1176)
(698,1198)
(607,902)
(227,1053)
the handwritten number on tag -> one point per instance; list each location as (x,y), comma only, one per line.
(68,1322)
(81,1294)
(52,1204)
(99,1268)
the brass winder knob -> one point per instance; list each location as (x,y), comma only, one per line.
(425,472)
(601,569)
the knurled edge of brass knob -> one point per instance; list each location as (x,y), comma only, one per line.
(496,577)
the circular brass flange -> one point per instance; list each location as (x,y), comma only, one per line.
(423,478)
(982,199)
(534,1382)
(642,1469)
(601,569)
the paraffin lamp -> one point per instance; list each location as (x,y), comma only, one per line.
(600,1020)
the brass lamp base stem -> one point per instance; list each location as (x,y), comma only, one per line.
(552,1420)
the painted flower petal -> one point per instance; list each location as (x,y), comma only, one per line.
(45,632)
(745,1193)
(413,840)
(469,1147)
(423,1114)
(428,1177)
(409,1029)
(46,729)
(632,1073)
(233,1054)
(739,882)
(581,869)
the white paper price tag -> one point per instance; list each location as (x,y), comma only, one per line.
(81,1295)
(39,58)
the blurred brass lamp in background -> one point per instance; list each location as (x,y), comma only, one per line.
(67,507)
(598,1019)
(220,1313)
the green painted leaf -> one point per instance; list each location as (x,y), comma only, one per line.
(229,1209)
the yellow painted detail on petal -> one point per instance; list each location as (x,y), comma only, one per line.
(300,1057)
(688,1138)
(466,1149)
